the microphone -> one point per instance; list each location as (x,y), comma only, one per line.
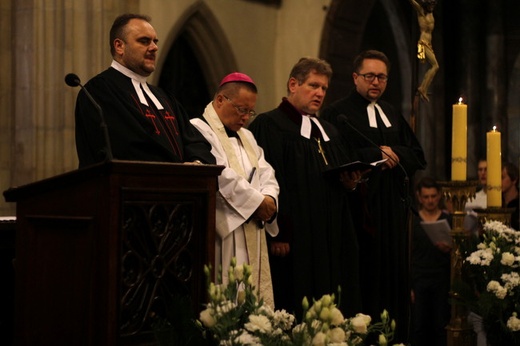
(73,80)
(342,118)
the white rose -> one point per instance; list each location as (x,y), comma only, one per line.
(511,280)
(207,319)
(492,286)
(247,339)
(359,323)
(319,339)
(337,335)
(513,323)
(501,293)
(508,259)
(336,317)
(258,323)
(365,318)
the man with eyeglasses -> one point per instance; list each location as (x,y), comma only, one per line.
(143,122)
(375,130)
(316,250)
(248,191)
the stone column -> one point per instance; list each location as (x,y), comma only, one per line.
(50,39)
(23,92)
(6,101)
(469,69)
(496,78)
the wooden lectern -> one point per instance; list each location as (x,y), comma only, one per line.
(102,251)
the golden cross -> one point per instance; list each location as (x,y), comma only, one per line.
(321,151)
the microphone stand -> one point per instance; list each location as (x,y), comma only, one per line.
(73,80)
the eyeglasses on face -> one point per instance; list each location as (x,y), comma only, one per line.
(369,77)
(240,110)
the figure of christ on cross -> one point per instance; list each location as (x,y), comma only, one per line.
(425,52)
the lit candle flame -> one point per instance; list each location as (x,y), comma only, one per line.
(494,128)
(460,100)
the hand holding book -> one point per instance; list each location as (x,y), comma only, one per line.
(362,167)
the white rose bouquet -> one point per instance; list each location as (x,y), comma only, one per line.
(235,316)
(491,269)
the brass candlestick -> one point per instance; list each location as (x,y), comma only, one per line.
(460,333)
(495,214)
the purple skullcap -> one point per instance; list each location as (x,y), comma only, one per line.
(237,77)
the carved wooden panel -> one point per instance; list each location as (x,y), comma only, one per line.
(156,261)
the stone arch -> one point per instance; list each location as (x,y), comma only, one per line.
(190,70)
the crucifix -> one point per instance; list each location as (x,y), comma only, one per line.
(321,150)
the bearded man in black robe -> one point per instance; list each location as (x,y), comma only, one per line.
(316,249)
(375,130)
(143,122)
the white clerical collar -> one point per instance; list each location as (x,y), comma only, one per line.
(138,81)
(306,128)
(372,115)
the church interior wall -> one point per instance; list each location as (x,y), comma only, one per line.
(265,40)
(6,104)
(52,38)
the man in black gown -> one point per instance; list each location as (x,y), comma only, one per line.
(382,203)
(143,122)
(316,249)
(430,270)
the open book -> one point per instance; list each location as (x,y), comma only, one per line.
(354,166)
(438,231)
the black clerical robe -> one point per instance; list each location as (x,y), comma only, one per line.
(381,205)
(314,216)
(136,131)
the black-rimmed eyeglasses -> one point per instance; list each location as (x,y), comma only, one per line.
(369,77)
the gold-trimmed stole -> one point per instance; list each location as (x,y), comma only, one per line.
(255,235)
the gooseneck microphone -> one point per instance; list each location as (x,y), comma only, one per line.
(343,119)
(73,80)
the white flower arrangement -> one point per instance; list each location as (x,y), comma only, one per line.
(491,269)
(234,316)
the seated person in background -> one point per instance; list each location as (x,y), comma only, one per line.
(510,191)
(480,200)
(430,271)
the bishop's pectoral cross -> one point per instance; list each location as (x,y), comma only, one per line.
(321,150)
